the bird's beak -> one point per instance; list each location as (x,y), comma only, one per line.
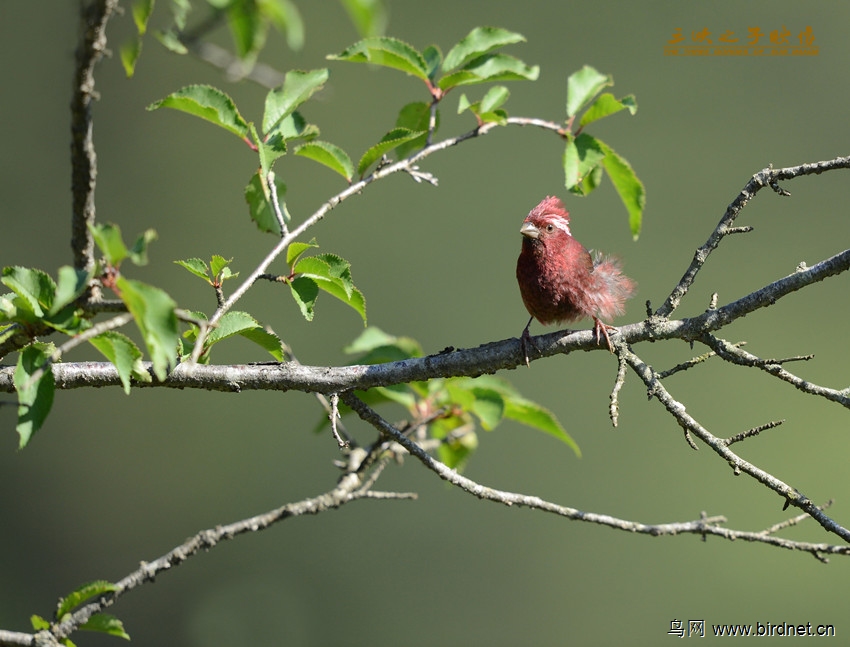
(529,230)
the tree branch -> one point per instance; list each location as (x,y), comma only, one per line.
(83,158)
(703,526)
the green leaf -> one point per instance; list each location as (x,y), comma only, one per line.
(153,311)
(605,105)
(286,18)
(196,266)
(368,16)
(71,285)
(582,86)
(295,127)
(415,117)
(329,155)
(538,417)
(478,42)
(218,264)
(393,139)
(35,288)
(582,155)
(108,239)
(78,596)
(266,340)
(248,29)
(38,623)
(332,274)
(123,353)
(171,41)
(260,207)
(105,624)
(141,14)
(495,98)
(433,57)
(130,52)
(208,103)
(297,87)
(139,251)
(490,67)
(296,249)
(388,52)
(628,186)
(305,291)
(374,339)
(35,396)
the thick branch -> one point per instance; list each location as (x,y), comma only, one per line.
(83,158)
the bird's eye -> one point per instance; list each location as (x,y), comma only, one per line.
(550,228)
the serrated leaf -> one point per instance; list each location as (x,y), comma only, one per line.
(368,16)
(332,274)
(35,396)
(297,87)
(105,624)
(628,186)
(393,139)
(108,239)
(387,52)
(581,156)
(305,291)
(208,103)
(266,340)
(218,264)
(478,42)
(36,288)
(296,249)
(582,86)
(123,353)
(329,155)
(295,127)
(415,116)
(81,594)
(196,266)
(270,149)
(153,311)
(603,106)
(259,206)
(490,67)
(71,284)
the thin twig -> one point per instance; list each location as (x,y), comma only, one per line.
(755,431)
(407,165)
(614,408)
(703,526)
(765,177)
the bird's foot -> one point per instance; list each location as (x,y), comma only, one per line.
(601,329)
(524,341)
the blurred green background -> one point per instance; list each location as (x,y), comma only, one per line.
(112,480)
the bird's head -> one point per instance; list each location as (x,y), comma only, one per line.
(548,221)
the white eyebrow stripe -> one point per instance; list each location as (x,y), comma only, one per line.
(559,222)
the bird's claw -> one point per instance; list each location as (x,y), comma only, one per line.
(601,329)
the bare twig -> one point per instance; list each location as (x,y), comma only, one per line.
(755,431)
(614,408)
(703,526)
(766,177)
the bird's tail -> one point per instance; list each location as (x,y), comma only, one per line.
(613,287)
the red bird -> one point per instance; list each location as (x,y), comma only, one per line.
(558,278)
